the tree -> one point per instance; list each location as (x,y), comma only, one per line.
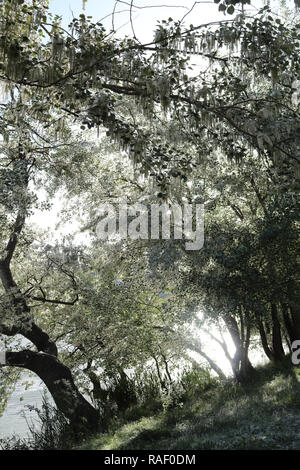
(53,78)
(250,260)
(218,105)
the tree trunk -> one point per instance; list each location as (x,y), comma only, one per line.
(240,363)
(58,379)
(295,314)
(197,348)
(294,304)
(288,323)
(246,368)
(278,351)
(264,339)
(25,326)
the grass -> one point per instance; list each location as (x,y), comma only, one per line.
(262,414)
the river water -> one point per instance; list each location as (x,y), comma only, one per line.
(13,420)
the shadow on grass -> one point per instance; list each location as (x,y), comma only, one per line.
(261,414)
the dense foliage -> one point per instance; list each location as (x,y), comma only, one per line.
(202,114)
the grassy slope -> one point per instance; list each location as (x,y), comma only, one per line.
(262,415)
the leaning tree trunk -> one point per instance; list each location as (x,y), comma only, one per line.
(59,381)
(193,346)
(56,376)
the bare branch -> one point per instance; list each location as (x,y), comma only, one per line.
(53,301)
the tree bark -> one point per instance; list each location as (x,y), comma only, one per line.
(294,304)
(26,327)
(278,351)
(288,323)
(295,314)
(58,379)
(264,340)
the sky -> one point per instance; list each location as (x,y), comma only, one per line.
(146,12)
(145,15)
(73,8)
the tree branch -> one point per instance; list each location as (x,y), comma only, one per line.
(53,301)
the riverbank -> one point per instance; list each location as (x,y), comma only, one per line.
(264,414)
(212,415)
